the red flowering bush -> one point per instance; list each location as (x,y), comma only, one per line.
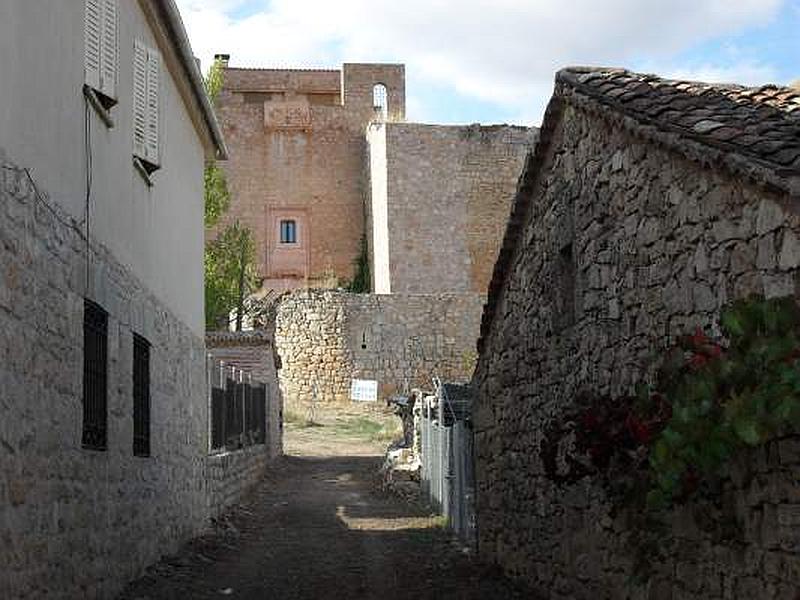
(708,400)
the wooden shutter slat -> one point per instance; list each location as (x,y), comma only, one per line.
(92,29)
(139,100)
(152,132)
(108,48)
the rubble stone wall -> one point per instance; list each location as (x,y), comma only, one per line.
(78,523)
(626,245)
(327,338)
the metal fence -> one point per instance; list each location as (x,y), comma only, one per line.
(238,408)
(447,473)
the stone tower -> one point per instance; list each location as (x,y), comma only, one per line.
(297,171)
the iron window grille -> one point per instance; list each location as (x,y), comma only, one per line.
(141,396)
(288,232)
(95,376)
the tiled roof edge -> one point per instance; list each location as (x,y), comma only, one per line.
(694,146)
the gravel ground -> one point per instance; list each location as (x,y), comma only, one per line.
(318,527)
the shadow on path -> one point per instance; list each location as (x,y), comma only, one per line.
(315,528)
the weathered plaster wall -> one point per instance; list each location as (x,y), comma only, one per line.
(78,523)
(626,245)
(326,338)
(297,148)
(440,201)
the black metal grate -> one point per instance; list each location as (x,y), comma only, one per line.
(233,415)
(218,406)
(95,376)
(141,396)
(259,413)
(238,415)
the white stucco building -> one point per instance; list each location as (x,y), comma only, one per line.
(104,132)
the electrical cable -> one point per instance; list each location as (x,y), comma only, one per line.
(87,146)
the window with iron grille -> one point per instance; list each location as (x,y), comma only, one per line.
(95,376)
(141,396)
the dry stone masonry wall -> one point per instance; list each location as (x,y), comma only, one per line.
(327,338)
(626,245)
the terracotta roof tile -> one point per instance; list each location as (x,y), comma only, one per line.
(758,122)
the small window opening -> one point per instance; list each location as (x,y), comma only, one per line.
(141,396)
(379,100)
(95,376)
(288,232)
(566,287)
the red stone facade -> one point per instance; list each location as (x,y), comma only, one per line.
(297,144)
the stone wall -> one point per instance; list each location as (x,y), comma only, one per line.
(327,338)
(230,475)
(79,523)
(626,245)
(440,201)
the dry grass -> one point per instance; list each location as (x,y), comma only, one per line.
(362,424)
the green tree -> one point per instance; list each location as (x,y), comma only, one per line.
(230,273)
(217,196)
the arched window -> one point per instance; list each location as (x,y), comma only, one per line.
(379,100)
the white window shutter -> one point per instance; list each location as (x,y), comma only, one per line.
(151,136)
(108,48)
(92,43)
(139,99)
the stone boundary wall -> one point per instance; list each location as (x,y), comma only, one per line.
(626,245)
(230,475)
(80,523)
(327,338)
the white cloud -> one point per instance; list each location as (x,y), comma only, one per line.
(501,51)
(744,73)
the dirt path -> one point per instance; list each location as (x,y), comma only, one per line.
(318,528)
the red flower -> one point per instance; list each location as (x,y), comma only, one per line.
(793,356)
(698,361)
(640,431)
(699,338)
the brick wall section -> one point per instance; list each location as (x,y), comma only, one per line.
(79,523)
(660,242)
(308,159)
(254,352)
(447,198)
(328,338)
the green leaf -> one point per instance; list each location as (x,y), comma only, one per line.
(747,431)
(656,499)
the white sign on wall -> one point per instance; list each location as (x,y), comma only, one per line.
(364,390)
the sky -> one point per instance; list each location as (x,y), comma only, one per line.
(494,61)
